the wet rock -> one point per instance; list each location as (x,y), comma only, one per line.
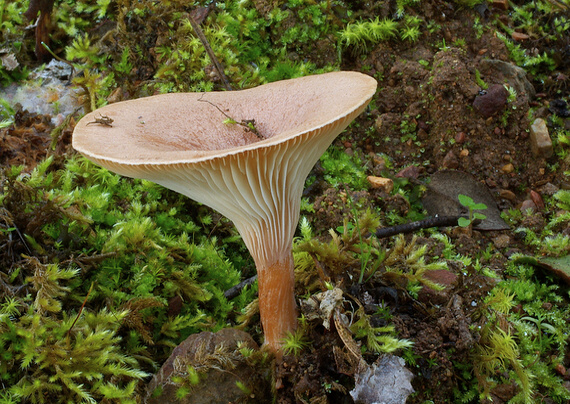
(549,189)
(46,92)
(216,357)
(492,102)
(540,142)
(386,381)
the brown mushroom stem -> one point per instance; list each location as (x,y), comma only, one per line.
(277,306)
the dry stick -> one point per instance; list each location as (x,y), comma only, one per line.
(435,221)
(81,309)
(234,291)
(210,52)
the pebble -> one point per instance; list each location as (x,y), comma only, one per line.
(528,204)
(500,4)
(450,161)
(537,199)
(508,168)
(386,184)
(502,241)
(409,172)
(492,102)
(460,137)
(540,142)
(549,189)
(508,195)
(519,36)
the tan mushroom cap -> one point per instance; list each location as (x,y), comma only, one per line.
(182,142)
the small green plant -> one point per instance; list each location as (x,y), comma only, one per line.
(295,342)
(377,339)
(361,35)
(480,82)
(405,266)
(468,202)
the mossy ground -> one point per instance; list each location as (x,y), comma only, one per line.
(129,269)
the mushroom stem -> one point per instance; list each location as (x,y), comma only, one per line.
(277,306)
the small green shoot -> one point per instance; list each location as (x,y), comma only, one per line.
(472,206)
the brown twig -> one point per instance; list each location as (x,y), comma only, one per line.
(210,52)
(435,221)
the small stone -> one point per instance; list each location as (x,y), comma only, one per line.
(409,172)
(549,189)
(528,205)
(442,277)
(386,184)
(508,168)
(537,199)
(450,161)
(460,137)
(500,4)
(519,36)
(508,195)
(540,141)
(492,102)
(560,369)
(502,241)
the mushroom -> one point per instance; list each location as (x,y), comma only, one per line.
(244,153)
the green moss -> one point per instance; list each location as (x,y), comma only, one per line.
(343,169)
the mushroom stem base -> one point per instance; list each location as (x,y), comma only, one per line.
(277,305)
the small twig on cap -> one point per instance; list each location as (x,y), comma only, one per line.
(248,124)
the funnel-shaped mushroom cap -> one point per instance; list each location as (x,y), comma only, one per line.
(185,142)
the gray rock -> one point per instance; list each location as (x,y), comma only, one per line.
(515,76)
